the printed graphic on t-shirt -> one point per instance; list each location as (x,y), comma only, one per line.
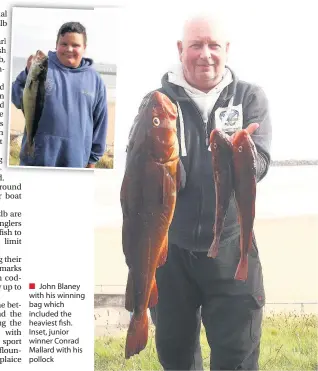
(229,119)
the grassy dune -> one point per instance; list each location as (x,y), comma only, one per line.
(289,342)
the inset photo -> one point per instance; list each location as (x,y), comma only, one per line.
(63,88)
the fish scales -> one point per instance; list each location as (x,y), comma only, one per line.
(148,197)
(244,159)
(221,149)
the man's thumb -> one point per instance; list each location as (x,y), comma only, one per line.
(252,127)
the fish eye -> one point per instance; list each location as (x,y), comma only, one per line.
(156,121)
(240,148)
(215,145)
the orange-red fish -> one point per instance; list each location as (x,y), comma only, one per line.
(148,197)
(244,163)
(221,149)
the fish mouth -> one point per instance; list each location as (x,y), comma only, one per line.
(218,133)
(39,54)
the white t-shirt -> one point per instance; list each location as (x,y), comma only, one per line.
(204,101)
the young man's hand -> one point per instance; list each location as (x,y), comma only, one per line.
(90,166)
(29,61)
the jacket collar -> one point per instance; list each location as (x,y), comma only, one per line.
(178,93)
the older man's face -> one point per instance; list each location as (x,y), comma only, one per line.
(203,54)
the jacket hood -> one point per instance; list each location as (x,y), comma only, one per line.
(85,63)
(177,92)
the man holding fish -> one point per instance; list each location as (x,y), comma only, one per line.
(194,281)
(64,104)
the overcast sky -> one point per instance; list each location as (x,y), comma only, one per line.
(37,28)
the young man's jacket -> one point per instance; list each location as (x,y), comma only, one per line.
(240,103)
(73,126)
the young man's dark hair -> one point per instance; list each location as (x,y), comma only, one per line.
(72,27)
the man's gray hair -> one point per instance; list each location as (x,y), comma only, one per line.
(218,19)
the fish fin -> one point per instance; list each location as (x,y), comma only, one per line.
(214,249)
(163,253)
(129,296)
(137,335)
(242,269)
(153,299)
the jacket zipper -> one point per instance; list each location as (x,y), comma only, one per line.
(198,227)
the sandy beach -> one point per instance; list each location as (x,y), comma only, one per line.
(287,248)
(16,119)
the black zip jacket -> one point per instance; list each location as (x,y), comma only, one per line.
(192,224)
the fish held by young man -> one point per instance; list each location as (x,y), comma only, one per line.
(148,197)
(244,163)
(34,96)
(221,149)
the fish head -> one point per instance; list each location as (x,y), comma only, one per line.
(243,146)
(163,128)
(220,142)
(154,130)
(39,64)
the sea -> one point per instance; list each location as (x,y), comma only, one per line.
(284,192)
(19,63)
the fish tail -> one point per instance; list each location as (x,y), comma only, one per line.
(214,249)
(242,269)
(137,335)
(153,299)
(30,149)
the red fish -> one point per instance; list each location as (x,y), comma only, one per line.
(148,197)
(244,163)
(221,149)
